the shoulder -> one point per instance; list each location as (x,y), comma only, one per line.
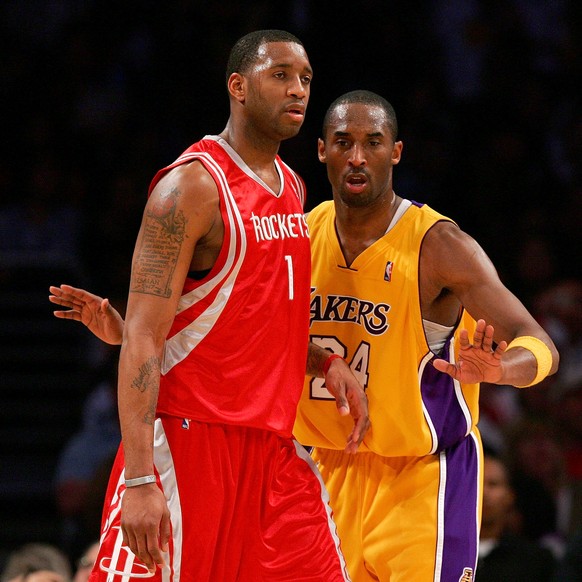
(445,236)
(451,258)
(191,180)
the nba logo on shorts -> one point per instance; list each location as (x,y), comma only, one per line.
(388,271)
(467,575)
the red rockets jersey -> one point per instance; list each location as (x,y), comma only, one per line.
(237,349)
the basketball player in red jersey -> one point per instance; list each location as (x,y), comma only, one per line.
(209,483)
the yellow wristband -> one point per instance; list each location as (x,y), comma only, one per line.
(541,353)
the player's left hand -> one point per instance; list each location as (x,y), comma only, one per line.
(477,361)
(91,310)
(350,398)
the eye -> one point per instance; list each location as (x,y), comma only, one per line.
(279,75)
(306,80)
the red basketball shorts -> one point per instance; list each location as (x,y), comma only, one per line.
(246,505)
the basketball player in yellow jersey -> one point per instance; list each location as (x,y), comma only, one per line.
(403,295)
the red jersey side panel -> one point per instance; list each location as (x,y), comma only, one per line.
(239,339)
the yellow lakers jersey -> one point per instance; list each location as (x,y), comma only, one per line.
(370,314)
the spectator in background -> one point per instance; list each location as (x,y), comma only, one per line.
(40,226)
(559,309)
(546,495)
(505,555)
(37,562)
(86,562)
(92,447)
(568,414)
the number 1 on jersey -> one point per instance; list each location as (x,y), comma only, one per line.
(289,260)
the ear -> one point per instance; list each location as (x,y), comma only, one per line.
(397,152)
(321,151)
(237,87)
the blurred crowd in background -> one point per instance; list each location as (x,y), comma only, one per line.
(96,96)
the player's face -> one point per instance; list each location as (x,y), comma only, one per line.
(498,497)
(278,88)
(359,152)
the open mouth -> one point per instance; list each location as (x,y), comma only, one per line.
(356,182)
(297,112)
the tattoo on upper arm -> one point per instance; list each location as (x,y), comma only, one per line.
(163,233)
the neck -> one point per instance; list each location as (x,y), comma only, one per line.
(257,151)
(359,228)
(372,219)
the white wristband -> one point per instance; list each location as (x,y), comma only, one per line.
(140,481)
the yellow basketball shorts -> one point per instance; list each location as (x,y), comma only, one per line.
(407,518)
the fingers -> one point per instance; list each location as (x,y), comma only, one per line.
(446,367)
(342,404)
(483,336)
(74,309)
(74,315)
(464,342)
(359,412)
(165,533)
(361,426)
(145,548)
(65,299)
(500,349)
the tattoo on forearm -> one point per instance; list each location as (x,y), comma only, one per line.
(163,233)
(148,377)
(148,380)
(150,416)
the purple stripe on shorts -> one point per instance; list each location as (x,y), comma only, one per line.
(461,528)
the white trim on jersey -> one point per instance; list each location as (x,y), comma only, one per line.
(433,433)
(181,344)
(303,454)
(245,168)
(459,392)
(479,494)
(299,186)
(165,467)
(441,516)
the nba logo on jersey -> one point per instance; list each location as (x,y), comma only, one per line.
(388,271)
(467,575)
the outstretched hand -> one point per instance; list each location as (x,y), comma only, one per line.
(351,399)
(477,361)
(91,310)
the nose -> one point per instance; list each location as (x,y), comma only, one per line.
(297,88)
(357,157)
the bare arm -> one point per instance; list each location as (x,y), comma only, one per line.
(455,270)
(349,395)
(180,213)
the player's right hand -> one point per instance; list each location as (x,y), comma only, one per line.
(145,524)
(350,398)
